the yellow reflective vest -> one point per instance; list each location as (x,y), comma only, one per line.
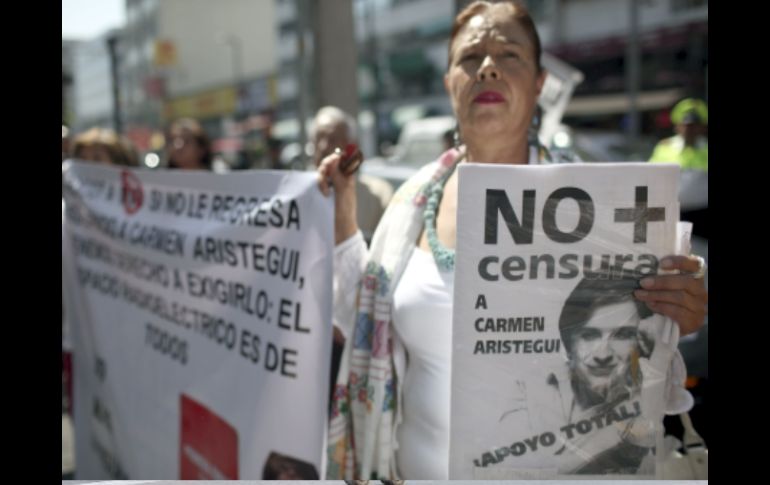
(673,150)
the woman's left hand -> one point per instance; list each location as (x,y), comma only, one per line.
(682,297)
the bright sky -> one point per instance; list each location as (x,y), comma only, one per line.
(86,19)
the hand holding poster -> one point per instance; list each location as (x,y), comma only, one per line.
(201,311)
(557,370)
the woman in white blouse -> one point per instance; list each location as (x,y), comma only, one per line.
(390,412)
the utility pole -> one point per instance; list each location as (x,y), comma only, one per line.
(112,46)
(303,74)
(336,56)
(632,73)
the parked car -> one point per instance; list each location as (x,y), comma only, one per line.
(602,146)
(421,141)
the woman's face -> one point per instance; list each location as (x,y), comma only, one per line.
(602,350)
(329,134)
(185,150)
(493,79)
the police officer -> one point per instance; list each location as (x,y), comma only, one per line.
(689,147)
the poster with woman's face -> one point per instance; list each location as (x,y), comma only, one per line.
(558,370)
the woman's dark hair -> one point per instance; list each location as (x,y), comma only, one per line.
(594,293)
(195,129)
(118,148)
(283,467)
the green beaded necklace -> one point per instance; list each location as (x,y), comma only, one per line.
(444,257)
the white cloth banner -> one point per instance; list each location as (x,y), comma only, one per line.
(557,371)
(200,307)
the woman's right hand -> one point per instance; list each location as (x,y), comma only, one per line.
(329,176)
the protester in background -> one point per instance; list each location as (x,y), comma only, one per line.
(188,146)
(333,128)
(103,145)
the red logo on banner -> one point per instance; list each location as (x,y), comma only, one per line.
(132,194)
(208,445)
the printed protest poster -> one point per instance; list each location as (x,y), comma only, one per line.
(557,371)
(200,307)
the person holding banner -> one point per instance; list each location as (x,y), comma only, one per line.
(97,145)
(390,416)
(102,145)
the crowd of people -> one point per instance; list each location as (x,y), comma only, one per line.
(394,262)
